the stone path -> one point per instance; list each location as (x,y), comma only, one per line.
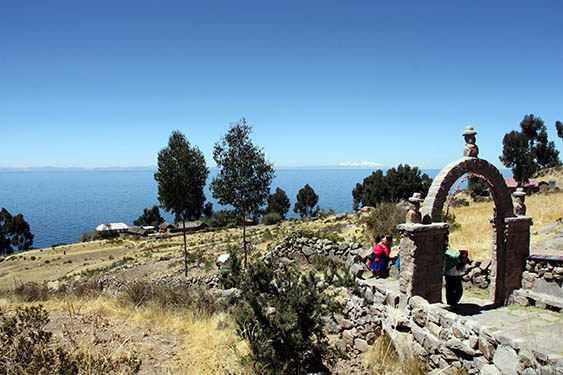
(537,329)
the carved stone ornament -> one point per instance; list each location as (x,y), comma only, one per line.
(413,215)
(470,148)
(519,204)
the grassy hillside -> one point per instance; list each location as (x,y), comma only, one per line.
(191,338)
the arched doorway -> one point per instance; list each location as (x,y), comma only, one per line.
(423,244)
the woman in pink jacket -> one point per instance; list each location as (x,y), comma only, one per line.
(380,258)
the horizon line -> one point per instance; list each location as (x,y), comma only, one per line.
(153,168)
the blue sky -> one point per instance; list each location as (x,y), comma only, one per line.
(103,83)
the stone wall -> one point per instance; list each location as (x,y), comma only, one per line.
(542,283)
(303,249)
(437,336)
(417,328)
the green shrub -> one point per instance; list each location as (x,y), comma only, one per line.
(282,320)
(31,292)
(477,187)
(271,218)
(384,219)
(223,218)
(90,236)
(451,219)
(196,299)
(326,213)
(231,274)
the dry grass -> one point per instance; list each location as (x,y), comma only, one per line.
(382,358)
(203,344)
(476,231)
(208,344)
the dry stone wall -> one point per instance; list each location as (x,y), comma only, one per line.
(437,336)
(542,283)
(417,328)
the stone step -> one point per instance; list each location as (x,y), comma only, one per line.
(545,301)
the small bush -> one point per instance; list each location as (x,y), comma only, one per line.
(451,220)
(460,202)
(283,320)
(223,218)
(477,187)
(194,298)
(271,218)
(384,220)
(231,274)
(32,257)
(326,213)
(27,349)
(90,236)
(32,292)
(81,288)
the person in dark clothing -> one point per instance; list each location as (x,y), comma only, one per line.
(454,269)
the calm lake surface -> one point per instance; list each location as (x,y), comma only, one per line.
(60,204)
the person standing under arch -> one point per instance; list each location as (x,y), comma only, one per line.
(454,269)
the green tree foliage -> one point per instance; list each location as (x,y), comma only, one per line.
(278,203)
(223,218)
(528,150)
(271,218)
(477,187)
(383,220)
(208,209)
(150,217)
(283,320)
(517,155)
(307,200)
(559,128)
(245,175)
(181,177)
(399,183)
(14,231)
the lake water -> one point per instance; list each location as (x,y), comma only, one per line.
(59,205)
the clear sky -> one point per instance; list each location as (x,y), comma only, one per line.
(103,83)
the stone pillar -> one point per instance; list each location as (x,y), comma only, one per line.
(422,253)
(511,247)
(517,249)
(496,286)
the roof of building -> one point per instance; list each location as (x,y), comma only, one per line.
(112,226)
(512,183)
(135,229)
(191,224)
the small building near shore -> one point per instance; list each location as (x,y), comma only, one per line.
(532,186)
(109,227)
(138,231)
(191,226)
(108,230)
(165,227)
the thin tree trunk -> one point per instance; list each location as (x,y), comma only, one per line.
(185,250)
(244,238)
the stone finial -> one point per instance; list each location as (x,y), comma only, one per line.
(519,206)
(413,215)
(470,148)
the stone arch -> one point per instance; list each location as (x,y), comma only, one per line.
(438,192)
(423,244)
